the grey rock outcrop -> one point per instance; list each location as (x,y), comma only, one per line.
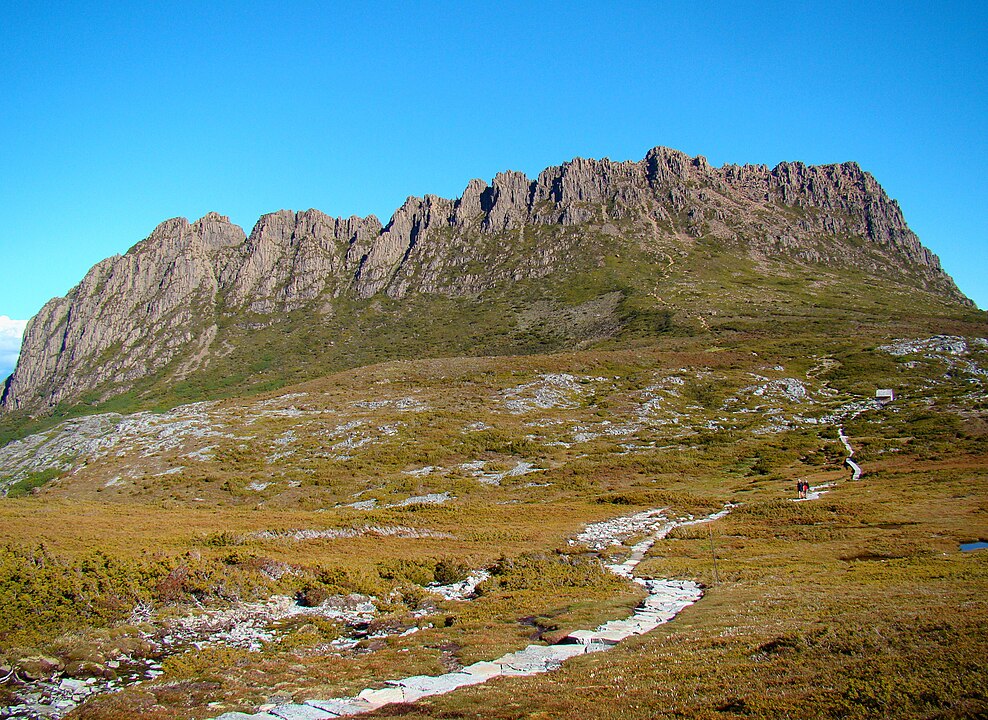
(162,307)
(129,317)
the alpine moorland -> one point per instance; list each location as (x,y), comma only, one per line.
(278,472)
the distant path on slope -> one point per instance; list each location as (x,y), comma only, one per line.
(855,468)
(817,490)
(666,598)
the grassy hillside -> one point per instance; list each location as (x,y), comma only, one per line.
(380,480)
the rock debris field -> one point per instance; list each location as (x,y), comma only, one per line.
(243,625)
(126,453)
(665,600)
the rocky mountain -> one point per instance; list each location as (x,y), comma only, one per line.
(331,465)
(585,253)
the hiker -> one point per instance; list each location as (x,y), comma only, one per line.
(799,488)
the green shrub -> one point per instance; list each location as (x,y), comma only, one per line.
(451,570)
(39,590)
(544,572)
(35,480)
(417,572)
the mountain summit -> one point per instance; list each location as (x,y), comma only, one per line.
(591,251)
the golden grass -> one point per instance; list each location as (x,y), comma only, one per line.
(806,621)
(857,604)
(129,530)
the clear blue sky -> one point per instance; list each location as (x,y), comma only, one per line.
(115,116)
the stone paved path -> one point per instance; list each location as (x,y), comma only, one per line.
(855,468)
(666,598)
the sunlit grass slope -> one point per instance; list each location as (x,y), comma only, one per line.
(405,472)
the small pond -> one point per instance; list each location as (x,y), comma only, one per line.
(971,546)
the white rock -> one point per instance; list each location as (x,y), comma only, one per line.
(294,711)
(342,706)
(380,697)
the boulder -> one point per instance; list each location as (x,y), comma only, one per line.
(38,667)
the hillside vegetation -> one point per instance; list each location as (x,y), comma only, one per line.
(381,480)
(243,471)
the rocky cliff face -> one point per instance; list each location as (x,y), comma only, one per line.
(162,306)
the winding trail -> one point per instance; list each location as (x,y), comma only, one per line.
(855,468)
(665,600)
(817,490)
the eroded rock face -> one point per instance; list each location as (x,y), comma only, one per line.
(159,307)
(129,317)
